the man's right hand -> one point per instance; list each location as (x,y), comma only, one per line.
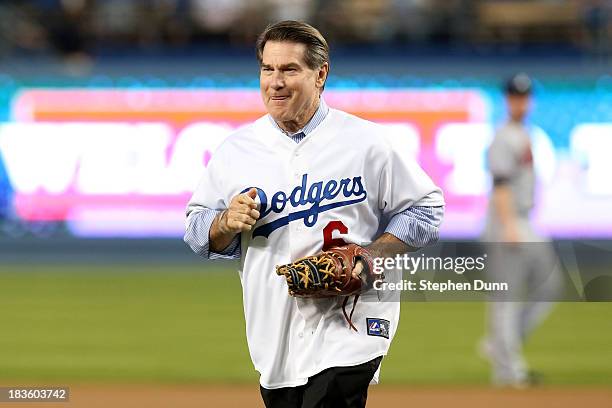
(240,216)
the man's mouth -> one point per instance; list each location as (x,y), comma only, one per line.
(279,97)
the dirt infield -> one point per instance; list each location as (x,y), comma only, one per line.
(98,396)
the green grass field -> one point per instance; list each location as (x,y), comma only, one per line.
(184,324)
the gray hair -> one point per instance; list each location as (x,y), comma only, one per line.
(317,50)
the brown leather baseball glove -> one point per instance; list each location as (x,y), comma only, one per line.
(329,274)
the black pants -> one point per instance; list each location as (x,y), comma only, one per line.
(336,387)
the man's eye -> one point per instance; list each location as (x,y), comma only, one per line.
(266,69)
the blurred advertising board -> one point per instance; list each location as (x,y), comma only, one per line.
(123,162)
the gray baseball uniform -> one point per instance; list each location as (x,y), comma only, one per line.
(528,267)
(510,161)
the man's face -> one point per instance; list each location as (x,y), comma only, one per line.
(289,88)
(518,106)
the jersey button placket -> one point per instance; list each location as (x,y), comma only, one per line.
(298,173)
(295,175)
(295,164)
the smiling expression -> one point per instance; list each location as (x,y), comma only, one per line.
(289,88)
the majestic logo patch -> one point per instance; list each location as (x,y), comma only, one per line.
(378,327)
(307,195)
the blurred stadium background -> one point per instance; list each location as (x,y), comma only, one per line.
(110,109)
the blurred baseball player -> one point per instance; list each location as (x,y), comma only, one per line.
(302,178)
(517,255)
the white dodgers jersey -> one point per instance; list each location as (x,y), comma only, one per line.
(341,183)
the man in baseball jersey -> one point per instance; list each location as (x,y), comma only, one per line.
(517,254)
(302,178)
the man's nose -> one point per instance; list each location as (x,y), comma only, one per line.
(278,82)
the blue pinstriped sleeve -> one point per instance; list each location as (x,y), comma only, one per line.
(196,236)
(417,226)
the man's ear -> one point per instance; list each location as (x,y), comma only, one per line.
(322,75)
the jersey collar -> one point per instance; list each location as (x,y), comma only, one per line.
(312,124)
